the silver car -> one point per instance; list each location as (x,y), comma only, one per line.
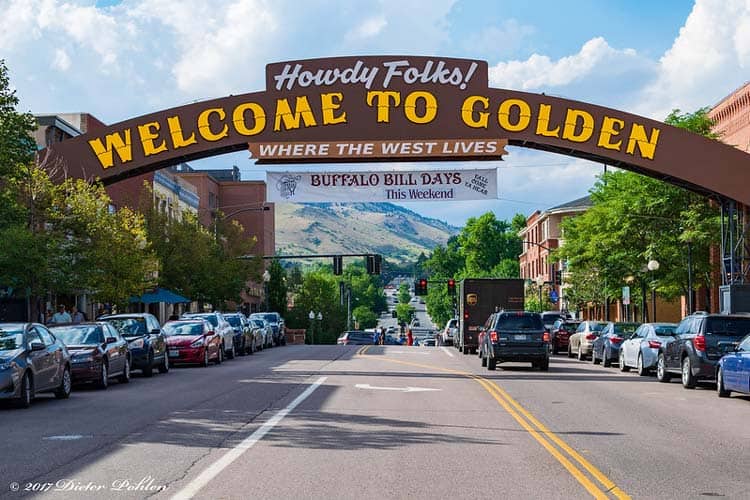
(221,328)
(641,350)
(581,342)
(262,333)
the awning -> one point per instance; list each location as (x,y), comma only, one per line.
(160,295)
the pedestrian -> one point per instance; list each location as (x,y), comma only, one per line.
(61,316)
(376,337)
(76,316)
(409,337)
(48,316)
(382,335)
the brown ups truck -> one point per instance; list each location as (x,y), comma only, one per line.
(480,297)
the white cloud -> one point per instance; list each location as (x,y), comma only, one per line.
(61,60)
(707,61)
(368,28)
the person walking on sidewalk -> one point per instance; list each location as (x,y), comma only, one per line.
(61,316)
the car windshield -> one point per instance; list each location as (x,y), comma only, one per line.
(186,328)
(664,330)
(129,327)
(211,318)
(79,334)
(625,328)
(359,336)
(731,327)
(271,318)
(10,338)
(520,322)
(233,320)
(257,323)
(597,327)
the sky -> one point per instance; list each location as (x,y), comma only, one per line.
(121,59)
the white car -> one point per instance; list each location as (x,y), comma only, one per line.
(641,350)
(449,332)
(222,328)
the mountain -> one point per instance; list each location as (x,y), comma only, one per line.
(330,228)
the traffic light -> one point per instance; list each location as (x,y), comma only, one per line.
(451,287)
(420,287)
(338,265)
(373,263)
(558,277)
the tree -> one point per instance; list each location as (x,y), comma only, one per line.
(365,317)
(319,293)
(404,296)
(485,243)
(17,146)
(277,287)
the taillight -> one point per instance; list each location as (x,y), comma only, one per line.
(466,314)
(615,340)
(493,336)
(654,344)
(545,337)
(699,342)
(590,336)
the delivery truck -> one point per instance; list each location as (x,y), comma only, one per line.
(480,297)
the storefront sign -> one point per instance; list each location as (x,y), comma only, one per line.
(375,186)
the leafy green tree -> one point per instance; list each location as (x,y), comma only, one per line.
(404,296)
(319,293)
(486,242)
(365,317)
(17,146)
(277,287)
(404,312)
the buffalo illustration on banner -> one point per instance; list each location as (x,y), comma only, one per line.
(375,186)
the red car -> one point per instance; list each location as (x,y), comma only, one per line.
(193,341)
(561,331)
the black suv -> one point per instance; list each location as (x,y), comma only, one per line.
(515,336)
(701,340)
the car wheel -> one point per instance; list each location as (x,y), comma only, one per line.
(66,384)
(27,392)
(623,366)
(465,350)
(594,359)
(230,354)
(581,357)
(283,341)
(125,377)
(688,379)
(164,367)
(148,369)
(555,349)
(544,365)
(103,381)
(720,390)
(251,349)
(491,364)
(570,352)
(642,370)
(241,352)
(484,359)
(204,363)
(661,369)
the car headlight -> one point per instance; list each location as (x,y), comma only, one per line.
(137,343)
(84,356)
(197,343)
(7,365)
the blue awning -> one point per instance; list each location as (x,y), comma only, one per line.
(160,295)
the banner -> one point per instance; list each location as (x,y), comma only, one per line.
(375,186)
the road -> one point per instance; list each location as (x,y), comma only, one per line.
(330,422)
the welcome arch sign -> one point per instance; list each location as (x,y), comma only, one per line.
(397,108)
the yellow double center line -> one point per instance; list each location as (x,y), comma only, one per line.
(551,442)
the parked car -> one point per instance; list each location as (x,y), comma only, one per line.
(606,347)
(277,325)
(220,326)
(641,350)
(582,340)
(549,318)
(356,337)
(733,374)
(193,341)
(97,352)
(244,343)
(561,331)
(262,332)
(447,335)
(428,342)
(515,336)
(32,361)
(702,339)
(147,344)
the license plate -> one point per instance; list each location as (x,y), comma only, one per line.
(174,353)
(519,337)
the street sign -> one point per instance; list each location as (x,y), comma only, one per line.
(626,295)
(553,296)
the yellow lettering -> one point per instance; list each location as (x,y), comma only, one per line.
(204,125)
(542,124)
(175,130)
(259,118)
(330,103)
(383,103)
(148,133)
(291,120)
(524,115)
(467,111)
(410,107)
(572,118)
(646,145)
(120,145)
(610,128)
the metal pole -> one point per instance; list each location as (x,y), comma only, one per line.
(540,298)
(653,302)
(348,308)
(644,305)
(690,278)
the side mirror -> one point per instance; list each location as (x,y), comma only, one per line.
(156,331)
(110,340)
(37,346)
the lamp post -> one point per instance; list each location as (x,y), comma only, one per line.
(320,323)
(266,280)
(312,333)
(540,284)
(653,266)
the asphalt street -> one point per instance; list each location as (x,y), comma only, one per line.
(329,422)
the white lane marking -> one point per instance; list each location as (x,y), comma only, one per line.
(194,486)
(408,352)
(446,351)
(397,389)
(67,437)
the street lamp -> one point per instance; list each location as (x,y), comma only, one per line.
(312,334)
(266,280)
(540,284)
(653,266)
